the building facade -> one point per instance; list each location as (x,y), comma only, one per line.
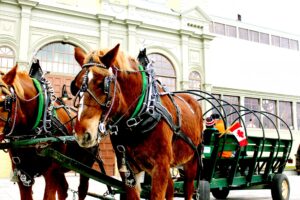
(191,50)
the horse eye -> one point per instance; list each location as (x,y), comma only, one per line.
(73,88)
(101,85)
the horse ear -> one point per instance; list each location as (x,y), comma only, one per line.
(109,58)
(79,55)
(9,77)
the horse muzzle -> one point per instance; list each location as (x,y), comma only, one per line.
(86,140)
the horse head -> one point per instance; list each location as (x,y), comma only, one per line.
(5,96)
(20,100)
(95,91)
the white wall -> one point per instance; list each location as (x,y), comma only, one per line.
(241,64)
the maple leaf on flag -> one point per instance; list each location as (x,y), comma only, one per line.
(240,133)
(237,130)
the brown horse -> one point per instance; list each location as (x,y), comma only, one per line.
(19,105)
(108,90)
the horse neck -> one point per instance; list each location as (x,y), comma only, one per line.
(130,85)
(65,117)
(26,105)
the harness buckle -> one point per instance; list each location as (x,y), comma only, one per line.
(133,121)
(108,104)
(38,130)
(114,129)
(48,124)
(102,128)
(16,160)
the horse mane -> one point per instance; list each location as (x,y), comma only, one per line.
(123,61)
(17,83)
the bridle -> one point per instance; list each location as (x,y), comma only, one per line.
(109,101)
(104,127)
(10,99)
(7,105)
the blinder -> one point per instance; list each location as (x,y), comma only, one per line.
(106,84)
(73,88)
(9,99)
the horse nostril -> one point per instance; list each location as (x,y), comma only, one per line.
(87,136)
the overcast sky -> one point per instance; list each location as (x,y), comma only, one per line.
(282,15)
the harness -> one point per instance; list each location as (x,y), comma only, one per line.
(148,112)
(46,122)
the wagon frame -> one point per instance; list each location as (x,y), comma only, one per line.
(259,165)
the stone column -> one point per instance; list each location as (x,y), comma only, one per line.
(26,7)
(104,31)
(184,46)
(131,39)
(104,23)
(205,42)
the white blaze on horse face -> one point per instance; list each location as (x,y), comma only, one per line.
(81,102)
(80,107)
(90,76)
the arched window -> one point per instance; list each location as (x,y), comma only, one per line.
(7,58)
(194,80)
(59,58)
(164,70)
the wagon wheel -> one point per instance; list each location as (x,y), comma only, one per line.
(280,187)
(220,193)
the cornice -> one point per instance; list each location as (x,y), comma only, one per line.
(109,18)
(207,37)
(66,11)
(30,3)
(133,22)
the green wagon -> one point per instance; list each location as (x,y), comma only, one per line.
(258,165)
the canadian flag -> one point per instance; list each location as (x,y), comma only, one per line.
(237,130)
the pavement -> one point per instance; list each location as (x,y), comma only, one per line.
(10,191)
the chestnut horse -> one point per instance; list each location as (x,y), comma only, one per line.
(19,105)
(108,90)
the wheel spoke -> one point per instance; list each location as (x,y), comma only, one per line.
(285,189)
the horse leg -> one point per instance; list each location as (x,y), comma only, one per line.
(160,179)
(51,185)
(63,186)
(170,189)
(132,193)
(25,192)
(190,173)
(83,187)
